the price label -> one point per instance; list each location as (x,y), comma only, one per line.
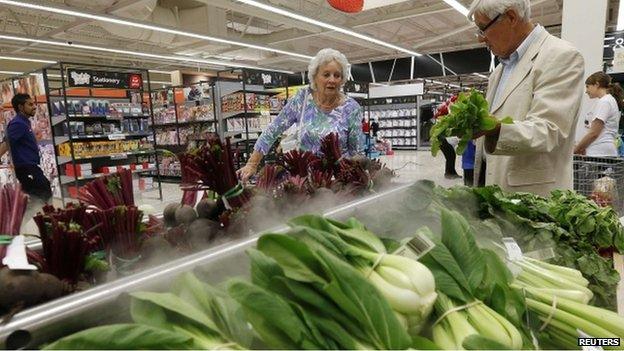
(119,156)
(514,253)
(416,247)
(15,257)
(116,136)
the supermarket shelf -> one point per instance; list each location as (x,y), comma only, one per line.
(231,114)
(68,180)
(397,137)
(121,156)
(254,91)
(236,132)
(390,128)
(79,97)
(58,119)
(390,118)
(170,124)
(114,136)
(405,147)
(60,140)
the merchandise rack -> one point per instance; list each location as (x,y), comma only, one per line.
(253,86)
(398,120)
(112,118)
(175,102)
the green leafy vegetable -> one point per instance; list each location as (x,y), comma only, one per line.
(468,115)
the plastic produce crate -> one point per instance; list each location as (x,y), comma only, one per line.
(601,179)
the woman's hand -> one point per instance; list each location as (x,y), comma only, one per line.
(579,151)
(247,171)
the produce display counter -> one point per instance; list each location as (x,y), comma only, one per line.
(108,302)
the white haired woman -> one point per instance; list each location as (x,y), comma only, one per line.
(317,111)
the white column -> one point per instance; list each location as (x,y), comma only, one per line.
(583,25)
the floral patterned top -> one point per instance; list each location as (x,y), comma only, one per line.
(344,120)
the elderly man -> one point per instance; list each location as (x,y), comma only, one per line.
(539,83)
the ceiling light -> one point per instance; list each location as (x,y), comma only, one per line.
(25,59)
(141,54)
(302,18)
(620,22)
(457,6)
(480,75)
(116,20)
(11,72)
(159,82)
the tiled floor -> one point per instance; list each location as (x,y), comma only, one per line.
(409,165)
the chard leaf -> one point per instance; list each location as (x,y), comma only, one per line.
(458,237)
(363,302)
(273,318)
(295,257)
(175,307)
(123,337)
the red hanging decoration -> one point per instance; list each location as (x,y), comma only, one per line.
(350,6)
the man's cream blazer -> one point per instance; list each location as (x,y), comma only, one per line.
(543,96)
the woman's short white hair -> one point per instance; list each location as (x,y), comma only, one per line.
(493,8)
(326,56)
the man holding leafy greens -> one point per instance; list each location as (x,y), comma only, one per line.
(539,83)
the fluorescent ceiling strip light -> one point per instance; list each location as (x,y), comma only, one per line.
(159,82)
(620,22)
(457,6)
(480,75)
(11,72)
(25,59)
(116,20)
(302,18)
(141,54)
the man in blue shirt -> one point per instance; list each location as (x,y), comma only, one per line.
(24,149)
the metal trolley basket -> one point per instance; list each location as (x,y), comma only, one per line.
(602,179)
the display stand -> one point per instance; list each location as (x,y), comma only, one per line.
(183,118)
(247,106)
(100,118)
(397,108)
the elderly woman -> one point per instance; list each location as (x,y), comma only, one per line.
(315,112)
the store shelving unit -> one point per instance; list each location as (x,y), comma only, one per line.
(247,106)
(100,125)
(183,118)
(398,120)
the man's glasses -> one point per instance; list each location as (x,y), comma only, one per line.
(481,31)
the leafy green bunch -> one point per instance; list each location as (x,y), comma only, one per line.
(468,115)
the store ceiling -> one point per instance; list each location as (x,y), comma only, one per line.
(425,26)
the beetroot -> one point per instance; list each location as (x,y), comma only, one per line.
(201,232)
(208,208)
(169,214)
(185,215)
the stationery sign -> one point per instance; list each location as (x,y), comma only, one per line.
(104,79)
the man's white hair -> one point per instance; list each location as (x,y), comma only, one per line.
(325,56)
(493,8)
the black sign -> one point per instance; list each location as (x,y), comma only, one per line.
(266,78)
(104,79)
(356,87)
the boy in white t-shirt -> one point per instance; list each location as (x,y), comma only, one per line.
(603,121)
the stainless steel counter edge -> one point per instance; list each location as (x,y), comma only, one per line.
(75,304)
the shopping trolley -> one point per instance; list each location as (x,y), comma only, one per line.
(601,179)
